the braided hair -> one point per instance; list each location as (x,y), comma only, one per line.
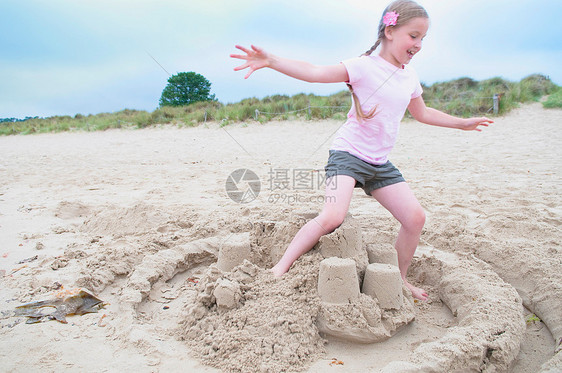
(407,10)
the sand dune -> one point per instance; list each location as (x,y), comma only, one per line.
(144,220)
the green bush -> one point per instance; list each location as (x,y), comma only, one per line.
(467,97)
(554,100)
(143,119)
(538,85)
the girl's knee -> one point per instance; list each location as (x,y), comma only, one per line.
(330,221)
(421,217)
(416,220)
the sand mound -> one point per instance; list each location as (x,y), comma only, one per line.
(247,320)
(241,315)
(118,221)
(71,210)
(490,317)
(527,256)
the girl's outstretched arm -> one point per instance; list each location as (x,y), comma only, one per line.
(256,58)
(437,118)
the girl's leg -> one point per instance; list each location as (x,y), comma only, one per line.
(335,208)
(400,201)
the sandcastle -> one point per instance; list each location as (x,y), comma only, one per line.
(233,252)
(355,294)
(382,253)
(383,282)
(345,311)
(337,281)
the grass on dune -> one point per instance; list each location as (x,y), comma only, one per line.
(462,97)
(554,100)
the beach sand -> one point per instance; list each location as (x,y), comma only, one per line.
(141,217)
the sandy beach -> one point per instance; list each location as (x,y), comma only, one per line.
(146,220)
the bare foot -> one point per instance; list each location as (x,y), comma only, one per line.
(417,293)
(277,272)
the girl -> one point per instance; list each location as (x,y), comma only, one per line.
(382,87)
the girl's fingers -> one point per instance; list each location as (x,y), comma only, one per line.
(249,73)
(239,56)
(241,67)
(253,57)
(245,50)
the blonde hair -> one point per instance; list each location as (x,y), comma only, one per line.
(407,11)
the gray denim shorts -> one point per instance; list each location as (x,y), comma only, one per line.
(367,176)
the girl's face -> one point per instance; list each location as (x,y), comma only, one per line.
(402,43)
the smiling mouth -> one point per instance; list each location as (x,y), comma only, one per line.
(411,53)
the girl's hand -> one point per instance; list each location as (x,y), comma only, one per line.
(256,58)
(474,124)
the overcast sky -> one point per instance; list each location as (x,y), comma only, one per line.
(63,57)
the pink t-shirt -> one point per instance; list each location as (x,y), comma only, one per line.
(372,140)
